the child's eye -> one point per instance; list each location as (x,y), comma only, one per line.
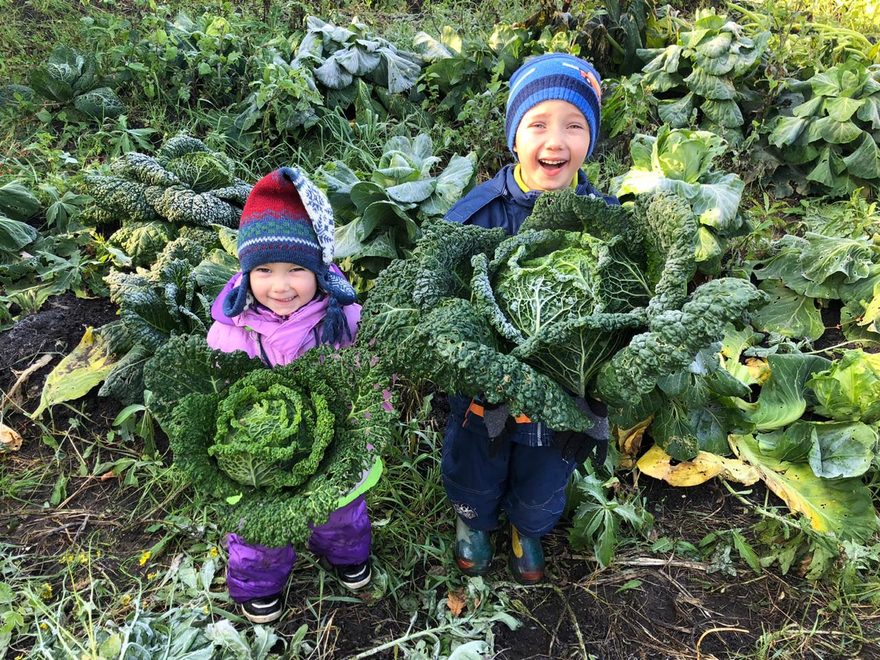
(538,124)
(262,271)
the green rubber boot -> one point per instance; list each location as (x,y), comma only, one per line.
(473,549)
(526,558)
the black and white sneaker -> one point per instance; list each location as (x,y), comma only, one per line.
(263,610)
(355,576)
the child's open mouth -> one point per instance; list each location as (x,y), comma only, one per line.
(552,166)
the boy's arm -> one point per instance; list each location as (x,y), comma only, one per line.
(592,444)
(474,207)
(587,188)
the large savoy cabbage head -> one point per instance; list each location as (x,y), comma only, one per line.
(586,298)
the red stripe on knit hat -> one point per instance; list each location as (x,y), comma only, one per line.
(275,194)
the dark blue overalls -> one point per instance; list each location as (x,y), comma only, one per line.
(525,477)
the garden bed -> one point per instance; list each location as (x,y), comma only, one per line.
(648,605)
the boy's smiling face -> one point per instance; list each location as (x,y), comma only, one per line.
(552,142)
(283,287)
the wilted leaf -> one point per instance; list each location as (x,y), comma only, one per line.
(10,440)
(455,601)
(841,506)
(657,463)
(86,366)
(758,370)
(629,441)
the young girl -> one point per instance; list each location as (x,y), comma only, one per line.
(552,123)
(289,297)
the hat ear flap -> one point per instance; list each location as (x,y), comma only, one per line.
(337,287)
(237,298)
(335,324)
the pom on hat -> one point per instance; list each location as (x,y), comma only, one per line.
(289,219)
(554,77)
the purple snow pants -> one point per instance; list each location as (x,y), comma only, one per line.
(256,571)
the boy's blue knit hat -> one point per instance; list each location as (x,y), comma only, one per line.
(554,77)
(288,219)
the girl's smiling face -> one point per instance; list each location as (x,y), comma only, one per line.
(551,142)
(283,287)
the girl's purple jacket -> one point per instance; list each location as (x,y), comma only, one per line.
(256,571)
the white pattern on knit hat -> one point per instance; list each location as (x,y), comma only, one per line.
(318,207)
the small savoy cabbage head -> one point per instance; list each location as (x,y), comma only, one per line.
(270,435)
(279,449)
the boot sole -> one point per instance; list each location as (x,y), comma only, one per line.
(523,579)
(360,584)
(471,570)
(262,618)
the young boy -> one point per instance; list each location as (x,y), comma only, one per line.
(552,123)
(288,298)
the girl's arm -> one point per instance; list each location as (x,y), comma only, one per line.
(229,338)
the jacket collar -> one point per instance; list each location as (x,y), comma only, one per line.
(527,198)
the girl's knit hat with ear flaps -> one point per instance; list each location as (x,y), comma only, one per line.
(288,219)
(554,77)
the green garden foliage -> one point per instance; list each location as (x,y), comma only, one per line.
(459,69)
(802,271)
(379,219)
(72,77)
(600,517)
(17,202)
(184,184)
(830,136)
(704,79)
(338,55)
(850,389)
(284,98)
(183,59)
(681,162)
(14,235)
(172,298)
(51,264)
(13,96)
(297,83)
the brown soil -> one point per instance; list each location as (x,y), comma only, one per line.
(56,330)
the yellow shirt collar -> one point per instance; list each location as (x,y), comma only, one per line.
(517,175)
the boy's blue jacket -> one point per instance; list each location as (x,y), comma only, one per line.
(500,202)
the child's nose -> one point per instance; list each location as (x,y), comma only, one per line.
(555,137)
